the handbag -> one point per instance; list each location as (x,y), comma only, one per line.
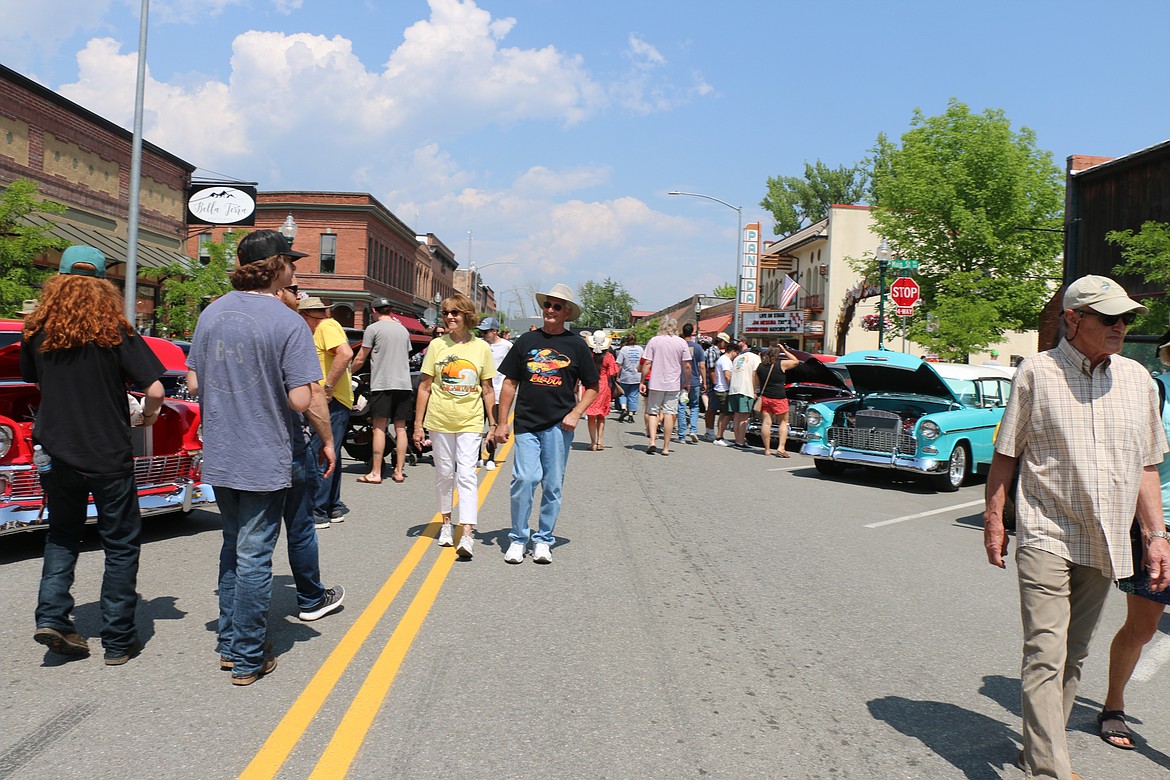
(758,406)
(1139,583)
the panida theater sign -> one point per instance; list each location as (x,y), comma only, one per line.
(766,323)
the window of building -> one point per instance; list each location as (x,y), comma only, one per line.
(204,252)
(328,253)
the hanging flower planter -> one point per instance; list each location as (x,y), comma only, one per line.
(872,322)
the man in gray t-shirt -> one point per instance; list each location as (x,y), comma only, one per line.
(387,344)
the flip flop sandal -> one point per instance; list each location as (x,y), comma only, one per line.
(365,481)
(399,480)
(1108,736)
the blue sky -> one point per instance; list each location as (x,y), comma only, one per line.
(552,130)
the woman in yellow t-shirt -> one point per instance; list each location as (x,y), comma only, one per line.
(454,395)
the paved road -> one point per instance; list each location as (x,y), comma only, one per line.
(708,614)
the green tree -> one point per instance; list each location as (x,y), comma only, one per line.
(1146,254)
(604,305)
(21,243)
(726,290)
(644,331)
(188,285)
(795,201)
(979,206)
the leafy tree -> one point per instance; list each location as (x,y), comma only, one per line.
(1146,254)
(188,285)
(21,243)
(644,331)
(795,201)
(604,305)
(724,291)
(979,207)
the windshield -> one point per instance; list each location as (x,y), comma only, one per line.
(964,390)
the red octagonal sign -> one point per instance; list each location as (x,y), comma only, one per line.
(904,291)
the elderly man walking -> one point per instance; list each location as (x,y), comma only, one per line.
(666,369)
(541,373)
(1069,409)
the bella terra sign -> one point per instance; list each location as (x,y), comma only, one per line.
(221,204)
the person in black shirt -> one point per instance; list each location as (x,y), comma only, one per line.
(773,399)
(547,364)
(81,351)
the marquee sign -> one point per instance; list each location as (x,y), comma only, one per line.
(765,323)
(221,204)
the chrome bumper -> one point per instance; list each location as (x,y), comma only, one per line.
(877,460)
(26,514)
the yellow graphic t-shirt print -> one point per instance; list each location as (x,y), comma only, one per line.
(458,377)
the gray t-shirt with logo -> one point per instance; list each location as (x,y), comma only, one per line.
(389,344)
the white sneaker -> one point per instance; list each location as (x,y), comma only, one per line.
(447,535)
(464,548)
(490,465)
(478,463)
(515,553)
(541,553)
(721,443)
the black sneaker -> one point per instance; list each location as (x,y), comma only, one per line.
(330,602)
(71,644)
(119,657)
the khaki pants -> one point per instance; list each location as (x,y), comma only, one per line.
(1060,603)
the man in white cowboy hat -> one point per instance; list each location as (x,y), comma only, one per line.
(1082,424)
(548,363)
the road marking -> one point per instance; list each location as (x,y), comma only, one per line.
(280,744)
(944,510)
(1153,659)
(791,468)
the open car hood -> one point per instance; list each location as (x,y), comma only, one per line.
(171,355)
(885,371)
(813,371)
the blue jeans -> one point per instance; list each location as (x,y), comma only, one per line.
(120,528)
(302,536)
(688,416)
(540,460)
(325,494)
(251,525)
(629,401)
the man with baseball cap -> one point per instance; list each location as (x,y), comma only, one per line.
(1082,425)
(386,343)
(489,329)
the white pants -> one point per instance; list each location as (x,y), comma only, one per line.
(455,456)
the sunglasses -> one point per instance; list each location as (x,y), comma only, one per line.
(553,306)
(1109,320)
(294,289)
(452,313)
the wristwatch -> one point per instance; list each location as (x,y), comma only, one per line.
(328,387)
(1158,535)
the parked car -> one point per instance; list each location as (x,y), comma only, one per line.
(936,420)
(818,378)
(168,455)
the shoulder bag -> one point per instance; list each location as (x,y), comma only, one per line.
(759,404)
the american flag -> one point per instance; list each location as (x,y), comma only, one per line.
(789,292)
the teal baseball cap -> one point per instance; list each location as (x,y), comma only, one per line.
(83,261)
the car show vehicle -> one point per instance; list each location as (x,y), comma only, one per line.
(167,455)
(935,420)
(818,378)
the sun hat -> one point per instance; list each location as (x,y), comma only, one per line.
(598,341)
(1101,293)
(1164,348)
(84,256)
(565,293)
(263,244)
(311,303)
(721,336)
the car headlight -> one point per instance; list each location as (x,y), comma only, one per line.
(813,419)
(6,437)
(930,430)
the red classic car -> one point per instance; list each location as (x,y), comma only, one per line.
(168,455)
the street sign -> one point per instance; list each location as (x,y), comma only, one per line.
(909,265)
(903,311)
(904,291)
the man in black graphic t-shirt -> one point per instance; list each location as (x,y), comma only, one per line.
(541,373)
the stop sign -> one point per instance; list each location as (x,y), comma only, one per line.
(904,291)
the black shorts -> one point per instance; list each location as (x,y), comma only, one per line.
(390,404)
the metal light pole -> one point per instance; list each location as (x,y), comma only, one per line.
(288,228)
(130,304)
(883,258)
(738,248)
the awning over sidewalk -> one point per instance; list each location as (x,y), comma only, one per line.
(714,325)
(412,324)
(113,247)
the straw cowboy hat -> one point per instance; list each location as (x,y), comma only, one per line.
(598,341)
(565,293)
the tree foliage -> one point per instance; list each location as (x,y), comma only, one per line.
(1146,254)
(188,285)
(22,243)
(795,201)
(604,305)
(726,290)
(644,331)
(979,206)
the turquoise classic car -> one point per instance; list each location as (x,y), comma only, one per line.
(936,420)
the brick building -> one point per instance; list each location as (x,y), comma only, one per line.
(82,161)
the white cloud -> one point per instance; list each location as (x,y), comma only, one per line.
(539,180)
(188,11)
(645,52)
(32,32)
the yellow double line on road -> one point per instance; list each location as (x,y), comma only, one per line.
(354,726)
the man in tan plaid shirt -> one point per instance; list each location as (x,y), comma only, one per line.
(1082,423)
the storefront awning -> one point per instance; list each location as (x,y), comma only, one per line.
(710,327)
(411,324)
(113,247)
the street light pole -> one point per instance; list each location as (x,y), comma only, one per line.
(738,247)
(883,258)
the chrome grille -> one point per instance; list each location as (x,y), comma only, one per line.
(148,471)
(873,440)
(796,410)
